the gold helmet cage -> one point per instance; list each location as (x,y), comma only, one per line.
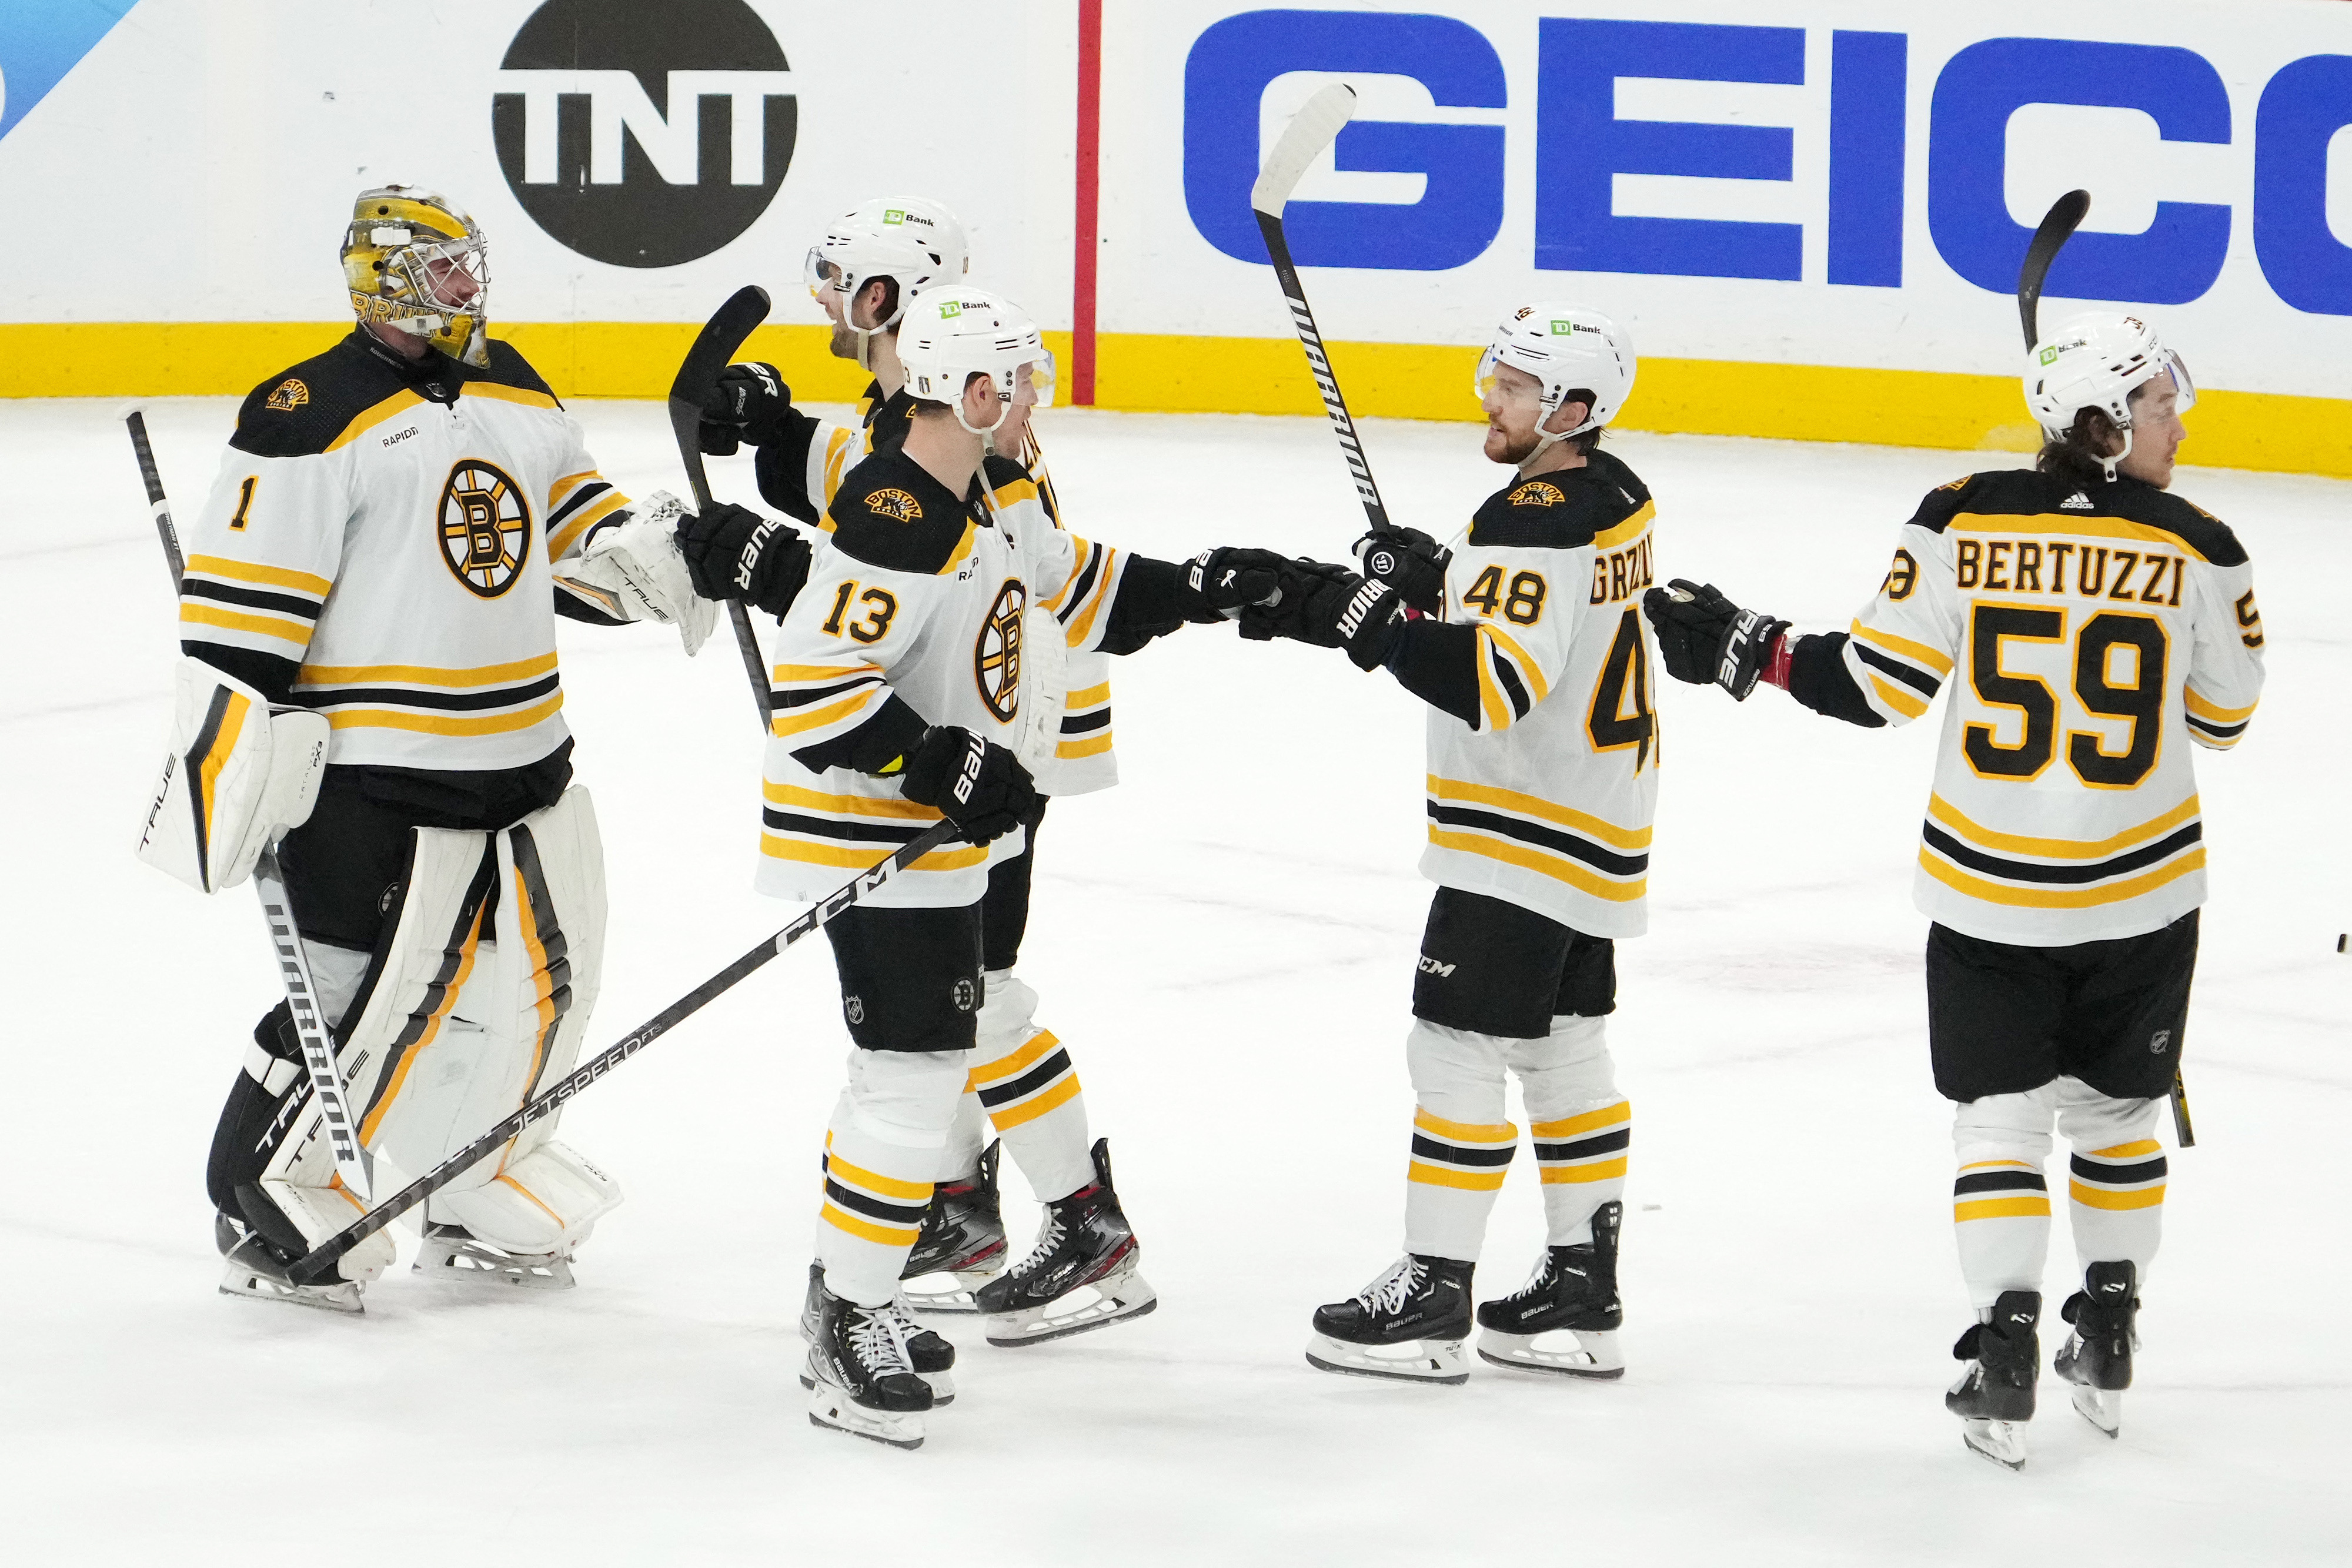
(403,257)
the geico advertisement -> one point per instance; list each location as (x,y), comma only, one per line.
(1827,183)
(629,160)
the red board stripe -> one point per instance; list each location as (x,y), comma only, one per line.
(1089,239)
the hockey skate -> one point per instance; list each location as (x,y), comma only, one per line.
(859,1378)
(1994,1397)
(1409,1324)
(258,1268)
(2097,1356)
(929,1354)
(452,1252)
(1573,1291)
(1080,1274)
(963,1241)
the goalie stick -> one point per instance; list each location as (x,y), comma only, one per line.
(310,1031)
(1311,130)
(714,347)
(321,1261)
(2057,226)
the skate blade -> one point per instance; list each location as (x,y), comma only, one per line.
(2102,1407)
(2002,1442)
(835,1410)
(1113,1300)
(1595,1355)
(480,1266)
(942,1386)
(341,1297)
(960,1296)
(1415,1361)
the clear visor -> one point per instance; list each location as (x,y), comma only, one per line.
(821,271)
(2183,388)
(1033,383)
(1519,387)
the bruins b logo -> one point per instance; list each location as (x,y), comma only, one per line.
(485,528)
(996,655)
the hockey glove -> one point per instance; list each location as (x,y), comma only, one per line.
(1704,637)
(733,552)
(1361,615)
(632,569)
(1409,561)
(976,784)
(1232,580)
(748,403)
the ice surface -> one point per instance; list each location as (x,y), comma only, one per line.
(1225,942)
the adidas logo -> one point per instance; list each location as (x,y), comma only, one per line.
(2077,502)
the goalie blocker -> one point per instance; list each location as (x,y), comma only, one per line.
(236,777)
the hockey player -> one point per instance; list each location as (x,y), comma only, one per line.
(394,528)
(913,671)
(870,263)
(2097,624)
(1542,776)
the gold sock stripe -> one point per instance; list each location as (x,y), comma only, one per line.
(1429,1174)
(1585,1122)
(1063,1091)
(2110,1197)
(867,1230)
(1598,1170)
(1013,1064)
(2036,1207)
(2138,1149)
(1465,1131)
(841,1170)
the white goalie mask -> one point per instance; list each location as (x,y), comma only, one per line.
(2098,361)
(947,335)
(1567,349)
(914,242)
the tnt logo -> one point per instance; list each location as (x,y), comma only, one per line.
(645,135)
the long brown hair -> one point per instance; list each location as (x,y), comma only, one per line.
(2079,457)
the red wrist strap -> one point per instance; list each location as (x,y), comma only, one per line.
(1776,665)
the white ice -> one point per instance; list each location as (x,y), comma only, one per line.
(1225,942)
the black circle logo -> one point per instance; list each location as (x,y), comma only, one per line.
(645,135)
(485,528)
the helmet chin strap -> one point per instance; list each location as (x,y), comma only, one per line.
(2109,462)
(987,433)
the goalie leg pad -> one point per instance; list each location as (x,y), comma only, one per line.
(234,777)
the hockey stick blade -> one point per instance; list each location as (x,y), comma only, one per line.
(1315,127)
(317,1263)
(153,478)
(2058,226)
(714,348)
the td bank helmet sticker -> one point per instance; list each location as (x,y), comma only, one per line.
(645,135)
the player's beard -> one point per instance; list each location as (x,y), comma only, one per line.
(844,342)
(1502,446)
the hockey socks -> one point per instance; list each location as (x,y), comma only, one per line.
(2117,1203)
(1456,1169)
(1022,1078)
(2001,1211)
(1582,1159)
(879,1160)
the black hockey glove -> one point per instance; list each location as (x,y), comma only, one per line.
(1289,616)
(1232,580)
(976,784)
(733,552)
(1409,561)
(749,404)
(1362,615)
(1704,637)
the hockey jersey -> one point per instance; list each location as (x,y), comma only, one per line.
(1546,796)
(915,600)
(380,546)
(800,475)
(2087,636)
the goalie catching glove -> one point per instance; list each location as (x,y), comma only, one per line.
(733,552)
(976,784)
(1704,637)
(236,776)
(635,570)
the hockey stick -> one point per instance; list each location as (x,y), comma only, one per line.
(2058,226)
(351,1161)
(714,346)
(321,1260)
(1311,130)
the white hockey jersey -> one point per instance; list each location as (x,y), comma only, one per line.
(382,540)
(918,596)
(1083,759)
(2094,636)
(1547,799)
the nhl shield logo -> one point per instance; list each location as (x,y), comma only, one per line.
(485,528)
(2159,1043)
(854,1009)
(996,655)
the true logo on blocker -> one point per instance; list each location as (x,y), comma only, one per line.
(645,135)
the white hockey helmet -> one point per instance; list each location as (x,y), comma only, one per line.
(2098,361)
(912,241)
(1567,349)
(947,335)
